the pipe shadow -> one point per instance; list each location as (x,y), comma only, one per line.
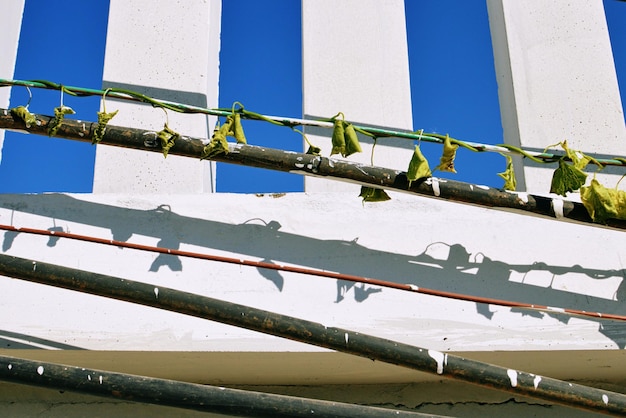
(440,266)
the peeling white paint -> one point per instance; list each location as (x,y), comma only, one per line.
(557,206)
(523,196)
(100,379)
(440,358)
(605,399)
(512,376)
(40,370)
(434,183)
(10,366)
(88,377)
(347,337)
(536,381)
(414,287)
(156,292)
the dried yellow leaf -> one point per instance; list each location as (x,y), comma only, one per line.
(446,163)
(510,183)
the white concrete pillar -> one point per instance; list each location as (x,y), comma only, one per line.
(169,52)
(557,81)
(355,61)
(10,26)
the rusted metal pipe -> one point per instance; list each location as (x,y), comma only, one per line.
(165,392)
(313,165)
(375,348)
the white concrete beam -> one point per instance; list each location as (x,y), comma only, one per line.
(557,81)
(355,61)
(170,53)
(10,25)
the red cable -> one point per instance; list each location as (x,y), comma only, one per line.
(314,272)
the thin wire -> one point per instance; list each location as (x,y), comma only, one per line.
(122,94)
(315,272)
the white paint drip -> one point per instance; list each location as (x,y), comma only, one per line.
(480,186)
(413,287)
(434,183)
(552,308)
(88,377)
(521,196)
(100,379)
(440,358)
(605,399)
(10,366)
(156,292)
(40,370)
(347,337)
(34,265)
(536,381)
(557,206)
(512,376)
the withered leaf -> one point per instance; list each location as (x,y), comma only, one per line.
(372,194)
(446,163)
(602,203)
(338,138)
(567,178)
(168,138)
(59,115)
(418,166)
(23,113)
(510,183)
(351,140)
(103,119)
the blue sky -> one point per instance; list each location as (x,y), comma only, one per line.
(265,75)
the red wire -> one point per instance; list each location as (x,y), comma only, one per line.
(313,272)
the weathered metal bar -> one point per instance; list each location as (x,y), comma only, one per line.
(378,132)
(165,392)
(430,361)
(312,165)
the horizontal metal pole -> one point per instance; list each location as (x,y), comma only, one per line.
(313,165)
(343,340)
(165,392)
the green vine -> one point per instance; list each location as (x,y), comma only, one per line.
(601,203)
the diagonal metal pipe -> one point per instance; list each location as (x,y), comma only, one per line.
(343,340)
(314,165)
(165,392)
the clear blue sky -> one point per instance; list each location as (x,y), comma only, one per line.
(261,67)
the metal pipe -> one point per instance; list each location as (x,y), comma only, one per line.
(315,165)
(318,273)
(165,392)
(375,348)
(283,120)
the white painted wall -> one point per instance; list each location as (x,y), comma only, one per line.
(557,81)
(414,240)
(362,72)
(170,53)
(10,24)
